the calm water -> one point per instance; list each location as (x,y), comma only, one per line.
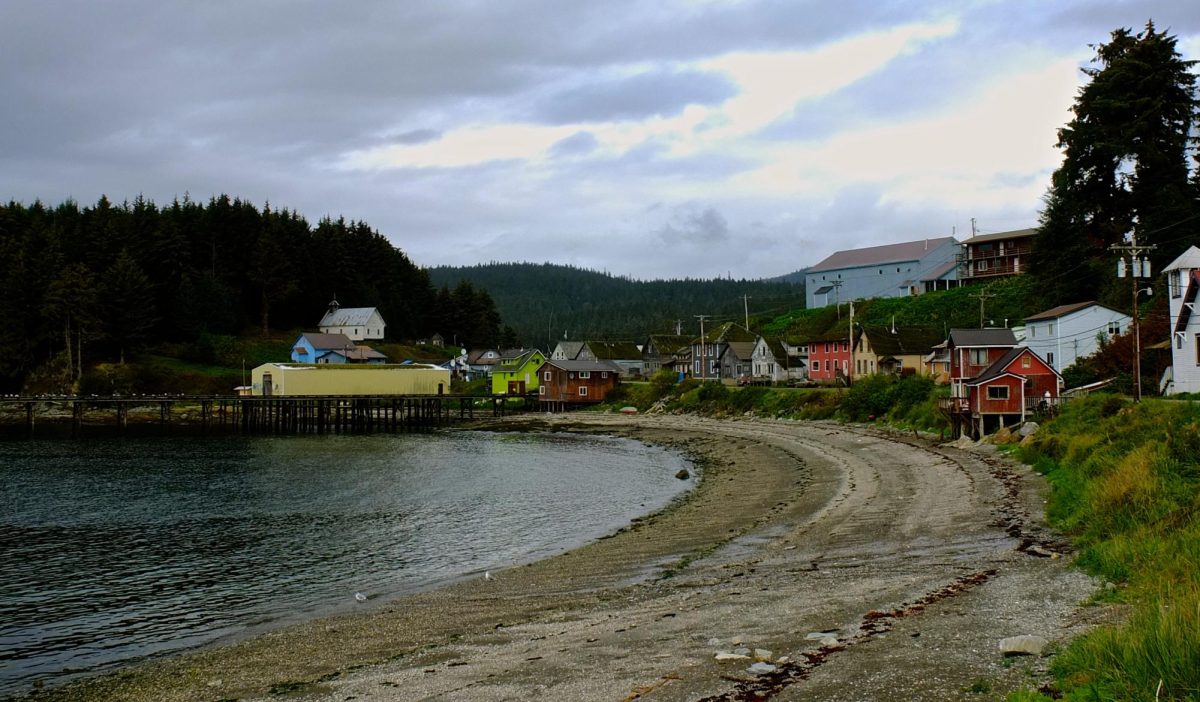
(115,550)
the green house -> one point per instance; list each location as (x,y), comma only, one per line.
(519,375)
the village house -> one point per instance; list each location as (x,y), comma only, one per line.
(564,383)
(663,351)
(1183,288)
(829,359)
(973,351)
(773,361)
(566,350)
(1019,384)
(737,360)
(1064,334)
(896,350)
(990,256)
(482,361)
(358,323)
(624,354)
(332,348)
(892,270)
(706,352)
(517,375)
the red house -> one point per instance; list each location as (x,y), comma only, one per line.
(563,383)
(973,351)
(829,360)
(1017,385)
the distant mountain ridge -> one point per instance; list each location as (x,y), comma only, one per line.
(546,302)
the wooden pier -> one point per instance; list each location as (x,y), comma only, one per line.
(357,414)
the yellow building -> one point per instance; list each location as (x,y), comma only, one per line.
(351,379)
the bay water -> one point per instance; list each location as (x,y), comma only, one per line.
(116,550)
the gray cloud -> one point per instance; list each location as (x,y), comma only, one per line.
(650,94)
(693,226)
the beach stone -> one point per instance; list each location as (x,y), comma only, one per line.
(819,635)
(723,656)
(683,474)
(1028,429)
(1024,645)
(762,654)
(742,651)
(760,668)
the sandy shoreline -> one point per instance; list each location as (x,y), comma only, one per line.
(908,555)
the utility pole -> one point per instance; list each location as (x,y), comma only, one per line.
(746,306)
(1138,267)
(982,297)
(837,296)
(678,327)
(703,342)
(850,369)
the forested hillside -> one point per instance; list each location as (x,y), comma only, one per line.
(82,285)
(546,302)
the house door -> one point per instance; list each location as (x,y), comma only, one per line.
(267,388)
(516,387)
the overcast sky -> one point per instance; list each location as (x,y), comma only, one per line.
(653,139)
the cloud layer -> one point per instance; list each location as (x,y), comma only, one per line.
(666,139)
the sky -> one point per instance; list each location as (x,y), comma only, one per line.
(649,139)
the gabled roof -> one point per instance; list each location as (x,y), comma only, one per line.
(1000,236)
(1187,259)
(876,255)
(511,365)
(507,355)
(742,350)
(348,317)
(476,357)
(1000,367)
(570,349)
(727,332)
(903,341)
(668,343)
(577,366)
(1064,310)
(615,350)
(358,353)
(326,342)
(982,337)
(777,349)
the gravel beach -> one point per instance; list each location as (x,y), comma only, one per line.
(814,561)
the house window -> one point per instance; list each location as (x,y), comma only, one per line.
(826,347)
(982,265)
(979,357)
(1114,328)
(1198,349)
(1176,280)
(1032,331)
(997,392)
(1050,328)
(1050,357)
(604,374)
(585,374)
(1026,362)
(583,391)
(546,376)
(1179,343)
(542,389)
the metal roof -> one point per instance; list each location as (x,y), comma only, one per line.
(348,317)
(982,337)
(876,255)
(324,342)
(1187,259)
(584,365)
(1064,310)
(999,236)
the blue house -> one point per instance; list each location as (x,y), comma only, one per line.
(892,270)
(332,348)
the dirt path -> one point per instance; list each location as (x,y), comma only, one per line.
(913,560)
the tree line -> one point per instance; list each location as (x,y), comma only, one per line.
(80,285)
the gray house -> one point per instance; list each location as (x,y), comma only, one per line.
(1067,333)
(892,270)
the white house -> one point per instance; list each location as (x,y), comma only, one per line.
(1067,333)
(358,323)
(1183,284)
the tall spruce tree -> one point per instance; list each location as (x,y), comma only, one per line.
(1127,155)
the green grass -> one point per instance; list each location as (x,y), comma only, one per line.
(1126,484)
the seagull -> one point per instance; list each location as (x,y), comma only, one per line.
(360,597)
(487,575)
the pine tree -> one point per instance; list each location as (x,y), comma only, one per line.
(1127,154)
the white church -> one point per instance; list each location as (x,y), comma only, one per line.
(358,323)
(1183,284)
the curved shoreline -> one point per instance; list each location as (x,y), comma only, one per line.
(793,529)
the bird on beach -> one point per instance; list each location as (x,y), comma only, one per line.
(360,597)
(487,575)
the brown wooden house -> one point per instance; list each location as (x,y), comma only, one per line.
(989,256)
(972,351)
(566,383)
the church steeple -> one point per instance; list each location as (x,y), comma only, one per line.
(333,304)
